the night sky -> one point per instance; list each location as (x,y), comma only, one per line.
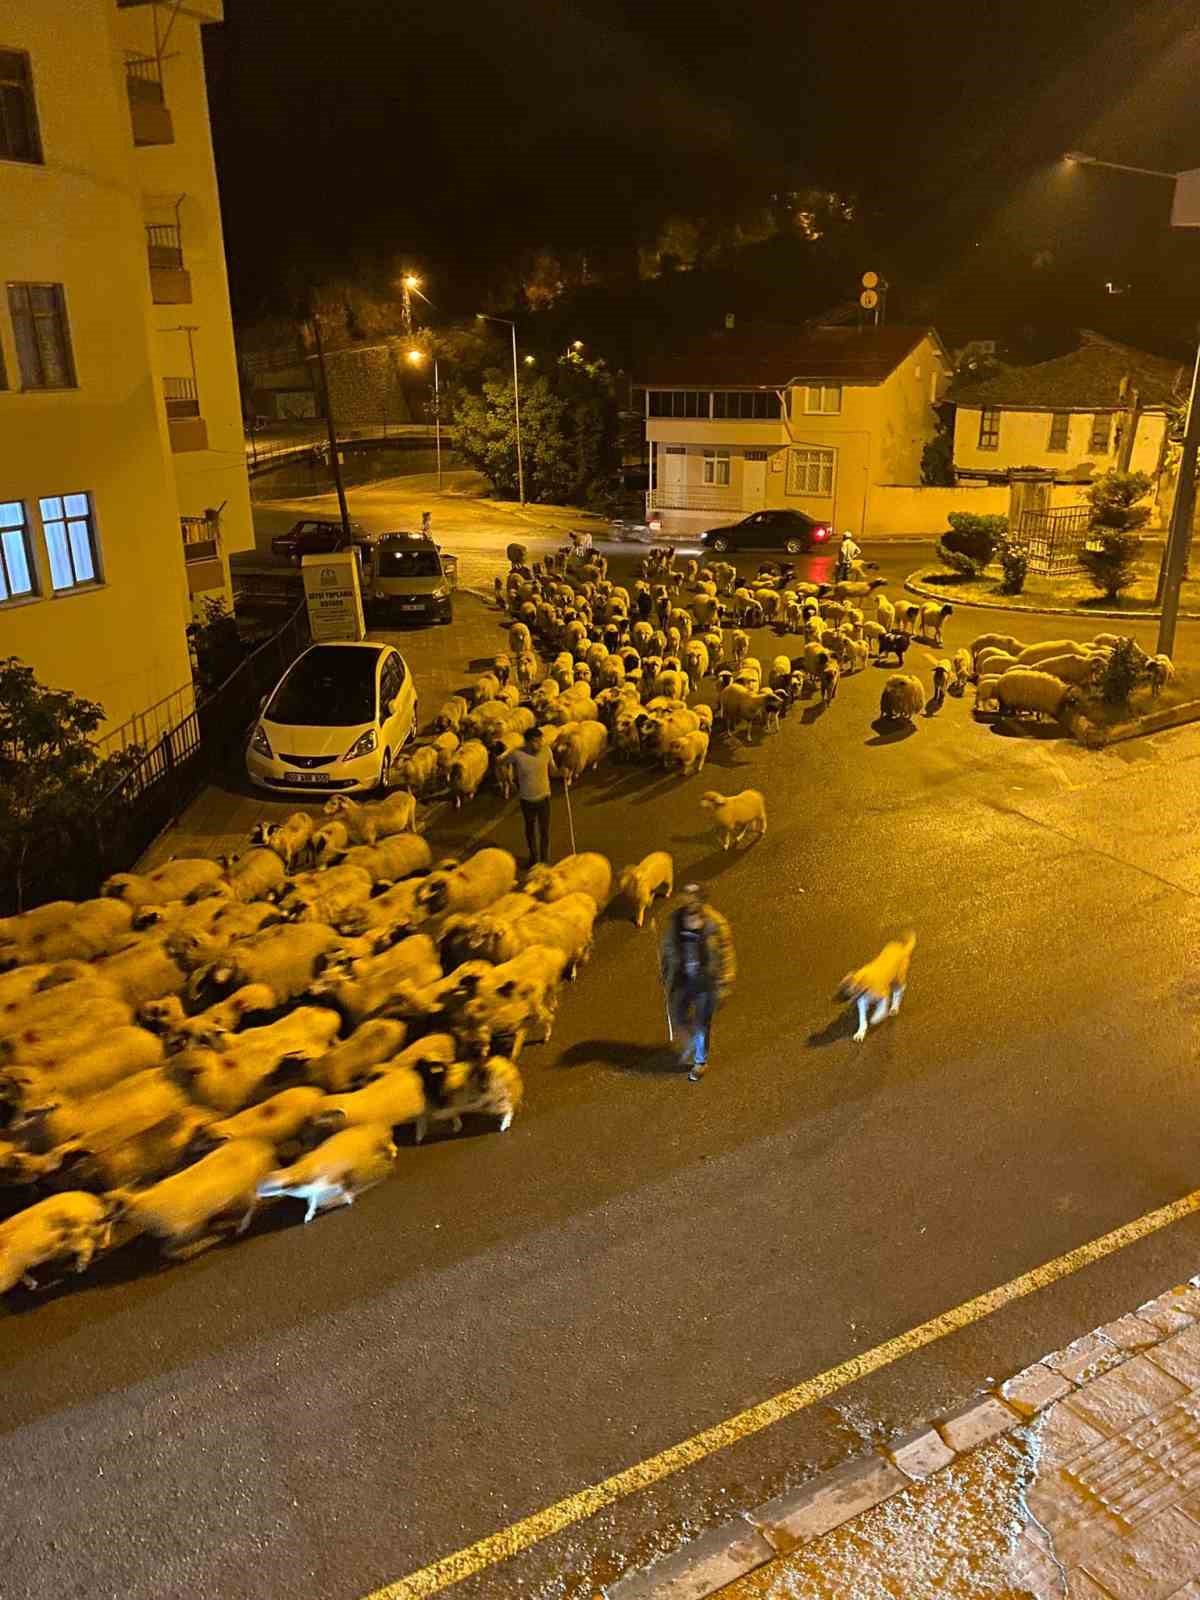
(456,135)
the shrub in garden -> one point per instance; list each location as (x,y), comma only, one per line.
(1110,560)
(1016,568)
(1120,676)
(971,543)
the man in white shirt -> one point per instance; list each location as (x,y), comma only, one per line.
(532,766)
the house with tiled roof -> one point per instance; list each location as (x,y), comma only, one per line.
(1105,405)
(811,419)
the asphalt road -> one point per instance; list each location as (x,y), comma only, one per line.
(319,1410)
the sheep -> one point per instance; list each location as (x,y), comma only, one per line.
(192,938)
(187,1211)
(652,875)
(1026,690)
(490,1088)
(672,684)
(583,746)
(857,655)
(502,667)
(256,874)
(419,772)
(995,641)
(528,667)
(962,666)
(902,700)
(340,1169)
(286,959)
(502,770)
(324,897)
(451,714)
(611,673)
(941,678)
(872,633)
(370,823)
(893,644)
(186,879)
(519,639)
(688,752)
(327,844)
(830,675)
(369,987)
(780,674)
(66,1228)
(572,706)
(739,646)
(470,886)
(444,745)
(747,707)
(585,873)
(341,1068)
(231,1075)
(277,1121)
(468,769)
(289,839)
(509,1000)
(487,687)
(749,674)
(144,1157)
(110,1117)
(857,589)
(20,984)
(144,969)
(115,1055)
(992,661)
(1034,654)
(812,661)
(91,928)
(908,617)
(736,817)
(985,692)
(394,1097)
(933,620)
(35,1037)
(565,925)
(168,1018)
(1160,670)
(1081,671)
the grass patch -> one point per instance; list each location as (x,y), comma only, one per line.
(1074,592)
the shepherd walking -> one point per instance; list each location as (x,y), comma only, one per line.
(698,969)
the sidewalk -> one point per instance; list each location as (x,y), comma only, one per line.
(1078,1478)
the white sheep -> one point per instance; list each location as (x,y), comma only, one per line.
(468,769)
(1026,690)
(588,872)
(113,1115)
(256,874)
(168,1018)
(289,839)
(418,771)
(186,879)
(350,1060)
(188,1210)
(903,698)
(116,1054)
(451,714)
(565,925)
(1160,670)
(652,875)
(340,1169)
(144,969)
(471,885)
(371,985)
(736,817)
(36,1037)
(830,676)
(328,844)
(325,896)
(688,752)
(231,1075)
(1034,654)
(71,1227)
(933,620)
(584,745)
(995,641)
(962,666)
(277,1120)
(285,958)
(398,856)
(372,822)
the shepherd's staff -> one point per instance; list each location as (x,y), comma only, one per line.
(662,985)
(570,817)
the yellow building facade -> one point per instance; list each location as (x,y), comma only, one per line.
(123,484)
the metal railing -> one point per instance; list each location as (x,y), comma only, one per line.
(143,78)
(164,245)
(201,538)
(182,397)
(693,497)
(1054,539)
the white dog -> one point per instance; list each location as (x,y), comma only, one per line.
(880,983)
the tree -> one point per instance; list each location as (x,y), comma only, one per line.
(1113,499)
(937,458)
(50,772)
(1109,558)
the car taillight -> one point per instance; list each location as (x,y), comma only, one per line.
(820,534)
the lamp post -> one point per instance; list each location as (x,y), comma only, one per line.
(482,316)
(417,357)
(1179,532)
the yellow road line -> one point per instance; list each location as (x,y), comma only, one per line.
(584,1503)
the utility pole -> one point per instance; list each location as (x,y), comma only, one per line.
(334,460)
(517,414)
(1179,536)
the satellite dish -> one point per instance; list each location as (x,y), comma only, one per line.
(868,299)
(870,280)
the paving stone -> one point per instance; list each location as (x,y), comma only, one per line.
(1180,1356)
(1079,1586)
(1190,1591)
(1034,1389)
(1161,1556)
(982,1420)
(918,1454)
(1153,1464)
(1116,1400)
(1166,1313)
(707,1564)
(1085,1358)
(829,1500)
(1030,1568)
(1064,1435)
(1077,1524)
(1131,1332)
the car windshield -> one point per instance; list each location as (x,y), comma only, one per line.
(327,689)
(409,564)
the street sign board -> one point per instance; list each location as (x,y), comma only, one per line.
(870,280)
(869,298)
(333,592)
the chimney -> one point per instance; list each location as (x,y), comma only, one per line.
(729,322)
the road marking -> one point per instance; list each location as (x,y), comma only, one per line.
(497,1547)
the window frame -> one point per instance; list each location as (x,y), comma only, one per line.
(63,325)
(23,531)
(1060,428)
(989,428)
(821,457)
(714,460)
(68,520)
(38,158)
(1100,445)
(821,390)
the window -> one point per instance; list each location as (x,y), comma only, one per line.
(1060,427)
(761,405)
(810,471)
(823,399)
(70,540)
(679,402)
(1098,443)
(18,119)
(989,428)
(16,569)
(39,315)
(391,681)
(716,467)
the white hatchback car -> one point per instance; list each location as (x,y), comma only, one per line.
(336,720)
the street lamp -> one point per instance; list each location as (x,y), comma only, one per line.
(1185,214)
(482,316)
(417,357)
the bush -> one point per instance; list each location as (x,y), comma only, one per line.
(1113,500)
(1109,559)
(1016,568)
(937,458)
(971,543)
(1119,677)
(217,646)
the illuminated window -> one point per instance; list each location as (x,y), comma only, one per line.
(810,471)
(39,317)
(716,467)
(70,540)
(18,118)
(823,399)
(16,567)
(1098,443)
(1060,427)
(989,428)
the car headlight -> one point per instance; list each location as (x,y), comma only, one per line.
(440,592)
(362,746)
(259,742)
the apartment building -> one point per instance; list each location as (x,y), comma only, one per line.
(123,483)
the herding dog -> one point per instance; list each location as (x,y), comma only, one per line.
(880,983)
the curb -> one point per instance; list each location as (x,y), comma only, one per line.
(721,1555)
(1094,737)
(913,586)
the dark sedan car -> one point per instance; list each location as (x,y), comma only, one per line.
(312,537)
(792,531)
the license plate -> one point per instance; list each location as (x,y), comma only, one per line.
(306,777)
(411,605)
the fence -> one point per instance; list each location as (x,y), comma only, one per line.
(164,245)
(143,78)
(182,397)
(1054,539)
(155,788)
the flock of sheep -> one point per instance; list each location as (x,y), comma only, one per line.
(211,1035)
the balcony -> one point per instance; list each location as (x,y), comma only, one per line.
(150,119)
(186,426)
(202,553)
(170,281)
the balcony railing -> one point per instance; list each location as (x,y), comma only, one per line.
(148,114)
(181,397)
(143,79)
(164,245)
(201,538)
(693,497)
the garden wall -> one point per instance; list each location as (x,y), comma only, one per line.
(899,511)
